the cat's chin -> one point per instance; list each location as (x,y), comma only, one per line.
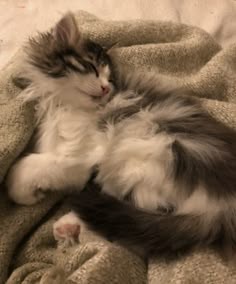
(96,96)
(100,99)
(85,93)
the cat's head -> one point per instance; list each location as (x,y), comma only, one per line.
(64,59)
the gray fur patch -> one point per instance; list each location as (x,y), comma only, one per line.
(64,50)
(149,233)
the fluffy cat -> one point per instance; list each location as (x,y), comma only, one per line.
(166,169)
(70,77)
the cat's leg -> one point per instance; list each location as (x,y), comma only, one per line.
(67,229)
(32,175)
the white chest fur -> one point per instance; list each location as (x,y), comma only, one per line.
(71,133)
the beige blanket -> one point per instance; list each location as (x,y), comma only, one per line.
(28,252)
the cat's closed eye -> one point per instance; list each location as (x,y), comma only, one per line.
(94,69)
(91,57)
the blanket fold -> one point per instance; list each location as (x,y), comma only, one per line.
(28,252)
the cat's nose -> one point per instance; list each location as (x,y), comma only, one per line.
(105,90)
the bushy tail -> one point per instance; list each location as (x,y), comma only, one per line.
(152,234)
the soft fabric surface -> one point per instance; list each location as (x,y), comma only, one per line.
(28,251)
(21,18)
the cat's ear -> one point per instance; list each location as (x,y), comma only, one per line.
(66,31)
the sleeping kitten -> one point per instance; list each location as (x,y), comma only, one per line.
(71,79)
(165,167)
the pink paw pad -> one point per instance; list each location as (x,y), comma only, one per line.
(69,230)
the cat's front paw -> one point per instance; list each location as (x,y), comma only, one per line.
(67,229)
(24,183)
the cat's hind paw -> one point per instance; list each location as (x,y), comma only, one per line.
(67,229)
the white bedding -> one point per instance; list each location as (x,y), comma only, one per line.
(21,18)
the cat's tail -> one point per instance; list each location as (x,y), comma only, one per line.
(148,233)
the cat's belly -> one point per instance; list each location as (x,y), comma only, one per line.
(137,164)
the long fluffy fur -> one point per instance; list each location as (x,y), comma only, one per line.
(151,234)
(61,74)
(190,165)
(188,161)
(152,143)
